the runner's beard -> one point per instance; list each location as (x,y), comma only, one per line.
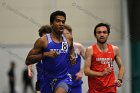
(101,42)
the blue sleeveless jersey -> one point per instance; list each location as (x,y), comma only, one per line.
(56,67)
(73,69)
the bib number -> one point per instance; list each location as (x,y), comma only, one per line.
(64,46)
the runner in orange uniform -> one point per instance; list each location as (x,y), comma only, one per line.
(99,63)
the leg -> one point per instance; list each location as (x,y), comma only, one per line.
(12,87)
(37,92)
(60,90)
(62,87)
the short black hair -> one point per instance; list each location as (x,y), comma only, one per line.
(102,24)
(44,30)
(56,13)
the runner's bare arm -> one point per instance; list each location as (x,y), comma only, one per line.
(35,54)
(119,63)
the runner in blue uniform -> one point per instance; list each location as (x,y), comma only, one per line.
(75,70)
(54,50)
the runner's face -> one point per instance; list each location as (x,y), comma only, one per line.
(58,24)
(101,34)
(66,32)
